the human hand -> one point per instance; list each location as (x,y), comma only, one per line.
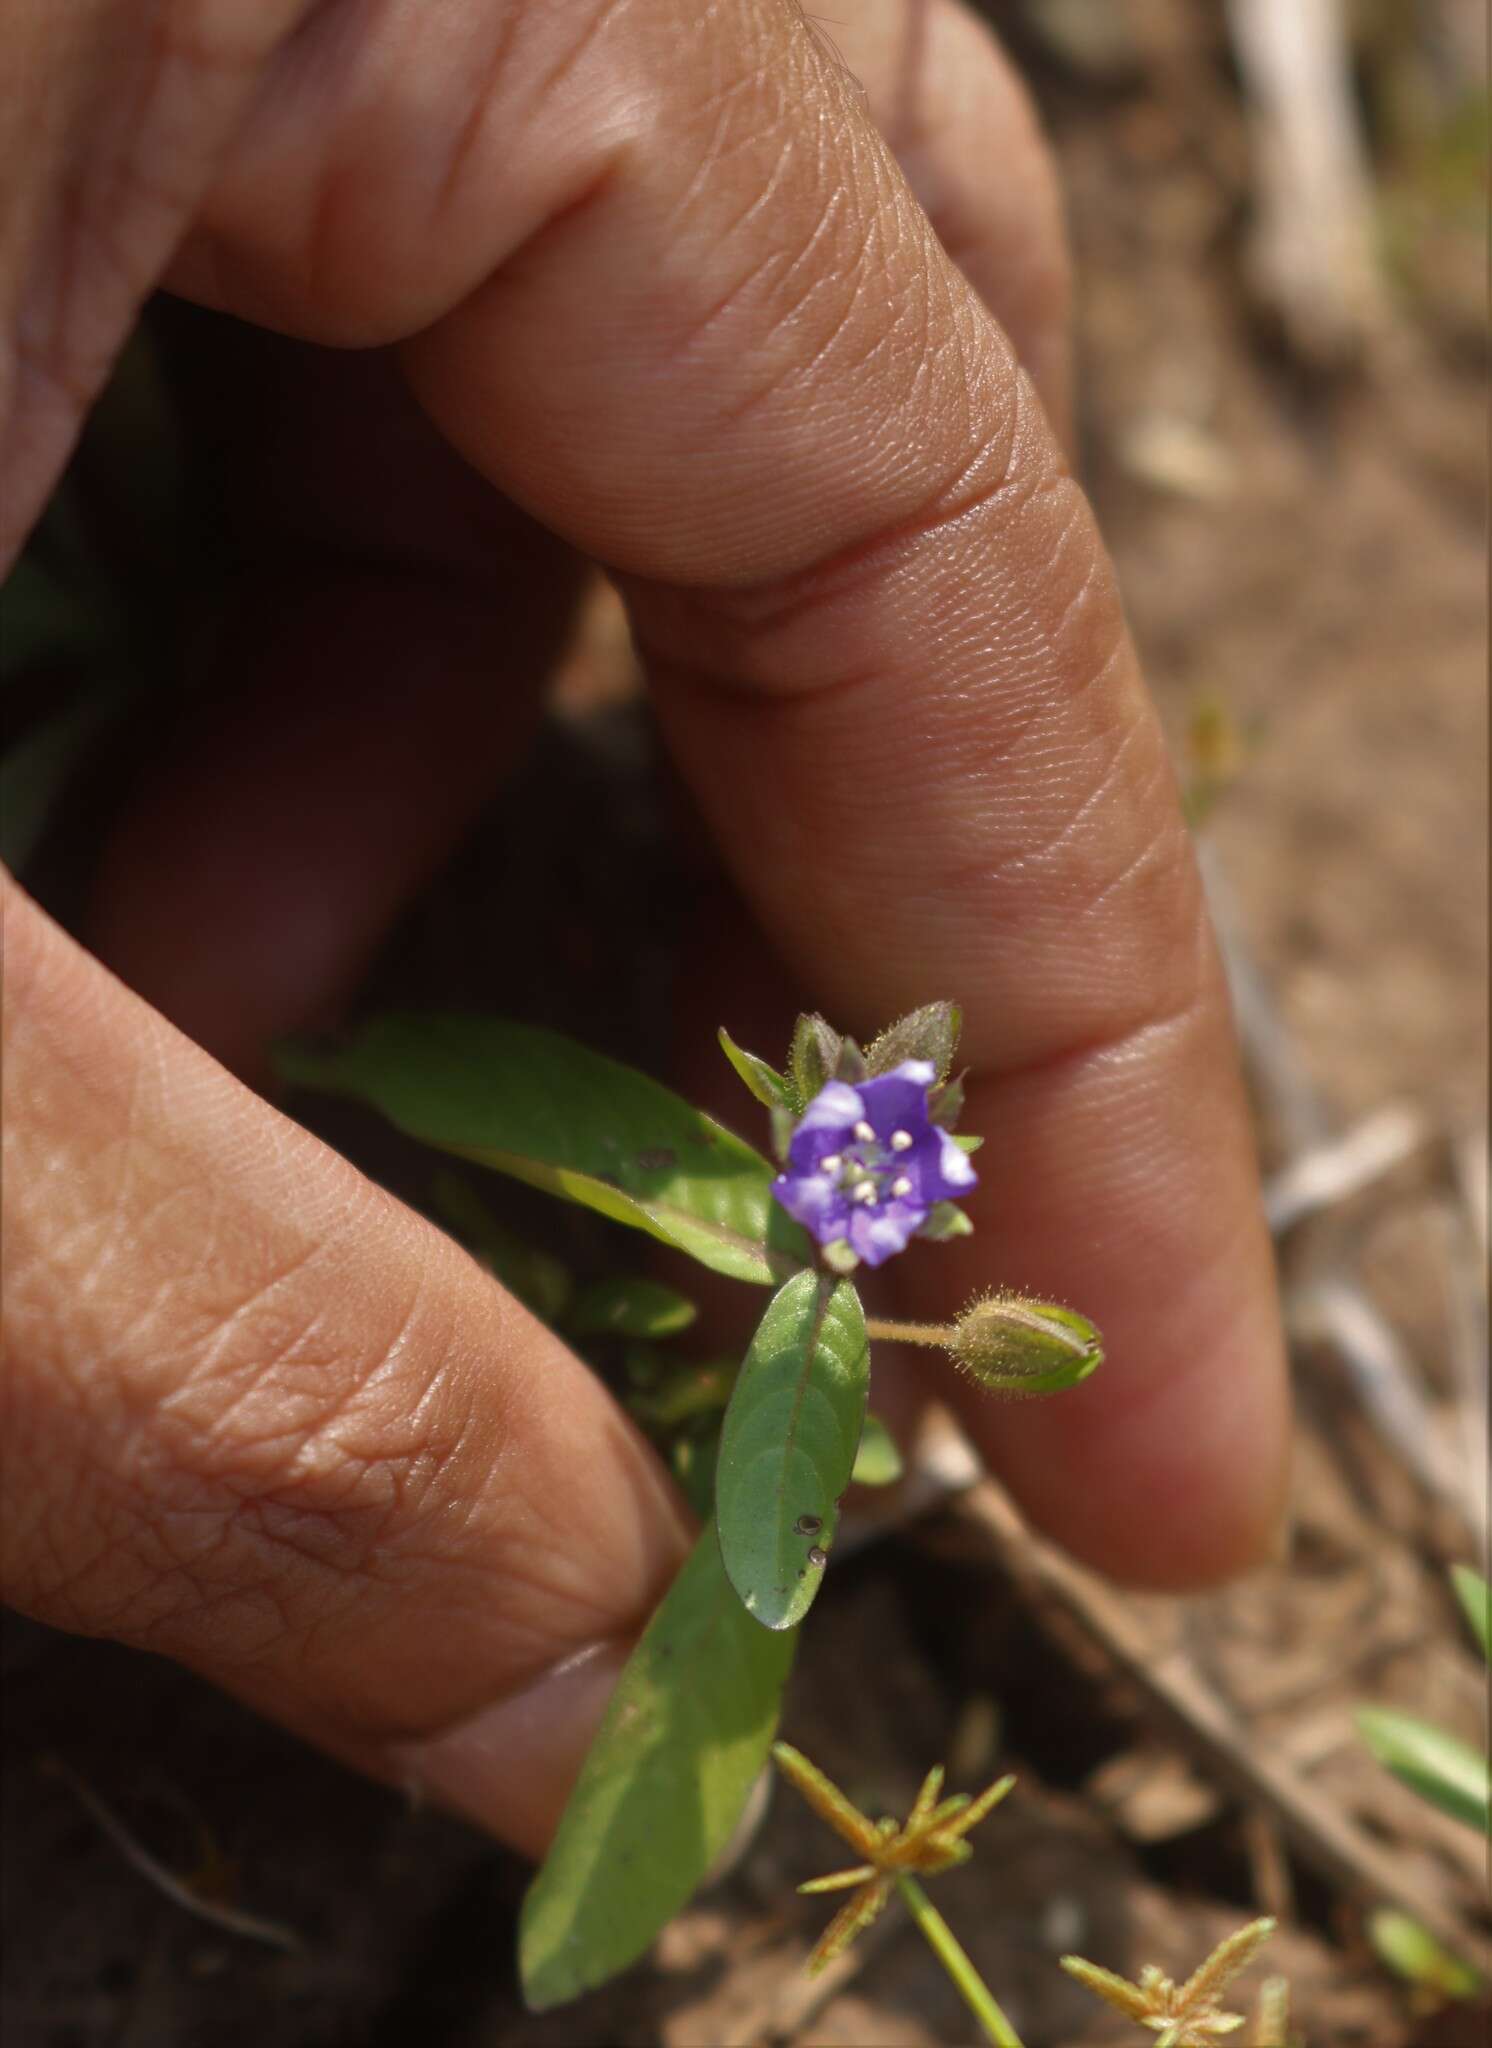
(661,286)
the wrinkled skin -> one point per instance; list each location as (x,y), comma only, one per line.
(775,330)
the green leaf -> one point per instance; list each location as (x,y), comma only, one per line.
(694,1459)
(47,620)
(572,1122)
(682,1395)
(813,1058)
(684,1737)
(1475,1596)
(1439,1767)
(630,1308)
(38,766)
(1413,1953)
(877,1461)
(540,1282)
(788,1445)
(765,1083)
(930,1033)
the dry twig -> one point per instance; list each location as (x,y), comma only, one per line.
(1315,236)
(1324,1837)
(179,1890)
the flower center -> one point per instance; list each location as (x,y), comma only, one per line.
(867,1170)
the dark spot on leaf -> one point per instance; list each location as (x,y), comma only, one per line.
(654,1158)
(817,1556)
(808,1525)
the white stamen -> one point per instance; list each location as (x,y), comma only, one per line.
(866,1191)
(901,1185)
(901,1141)
(864,1132)
(830,1163)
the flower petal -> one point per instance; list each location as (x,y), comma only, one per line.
(877,1234)
(954,1169)
(816,1201)
(826,1126)
(836,1106)
(897,1101)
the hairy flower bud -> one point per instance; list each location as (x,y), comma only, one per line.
(1013,1346)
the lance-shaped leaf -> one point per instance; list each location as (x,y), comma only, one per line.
(661,1789)
(630,1308)
(788,1445)
(568,1120)
(539,1281)
(1475,1596)
(878,1460)
(1417,1956)
(1440,1767)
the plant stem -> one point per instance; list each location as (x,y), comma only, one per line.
(976,1993)
(938,1335)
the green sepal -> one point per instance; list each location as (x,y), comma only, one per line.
(850,1066)
(929,1033)
(770,1088)
(813,1058)
(945,1103)
(784,1123)
(945,1220)
(840,1257)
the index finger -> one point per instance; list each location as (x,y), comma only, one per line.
(890,656)
(683,307)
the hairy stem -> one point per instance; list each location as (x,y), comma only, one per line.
(938,1335)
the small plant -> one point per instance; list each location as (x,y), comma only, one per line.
(930,1839)
(868,1160)
(1191,2015)
(1446,1773)
(1441,1768)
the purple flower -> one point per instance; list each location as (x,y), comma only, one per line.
(866,1165)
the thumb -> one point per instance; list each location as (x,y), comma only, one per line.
(265,1420)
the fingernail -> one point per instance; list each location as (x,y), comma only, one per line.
(511,1766)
